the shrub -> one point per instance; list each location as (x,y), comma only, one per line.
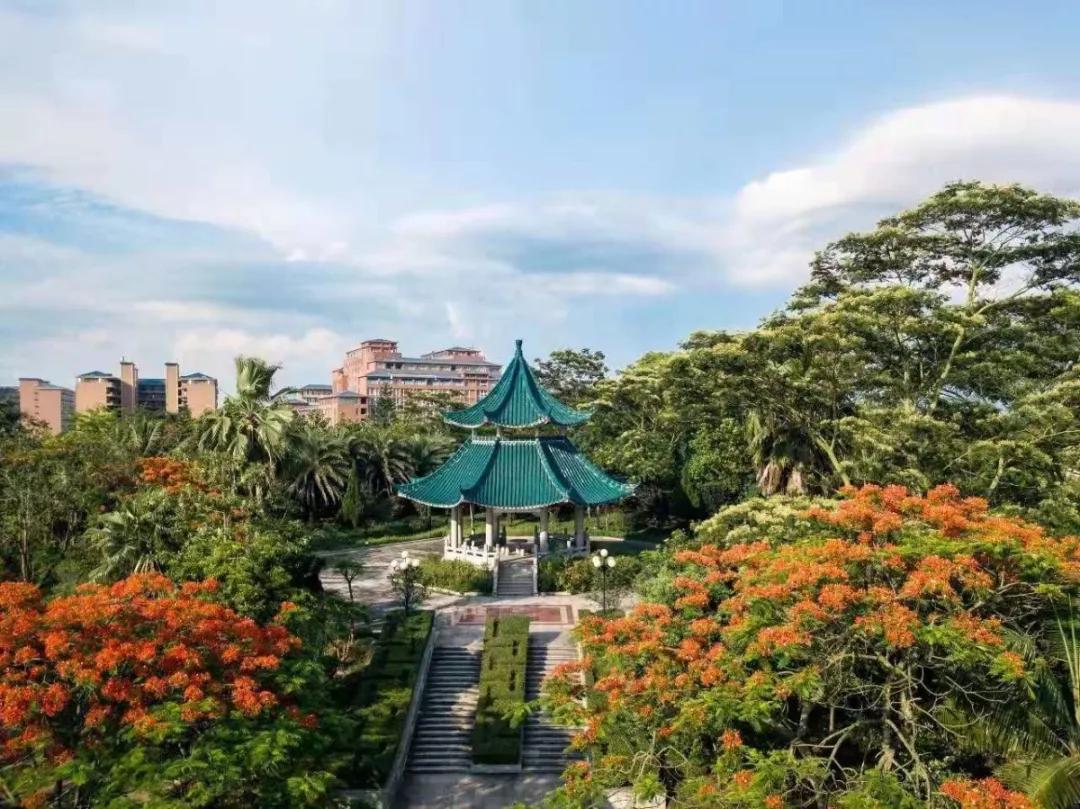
(577,575)
(456,575)
(496,738)
(383,691)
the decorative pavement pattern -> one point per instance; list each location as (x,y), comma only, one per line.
(560,614)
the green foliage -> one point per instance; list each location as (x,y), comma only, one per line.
(382,692)
(562,574)
(496,738)
(257,567)
(456,575)
(571,375)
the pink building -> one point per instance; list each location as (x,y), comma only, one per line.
(42,401)
(127,391)
(376,368)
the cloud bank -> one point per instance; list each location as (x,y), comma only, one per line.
(93,269)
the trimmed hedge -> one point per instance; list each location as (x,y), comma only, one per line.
(502,689)
(383,692)
(456,575)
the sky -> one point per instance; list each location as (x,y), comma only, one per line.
(188,181)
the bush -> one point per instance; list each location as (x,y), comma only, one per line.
(497,739)
(577,575)
(453,574)
(383,691)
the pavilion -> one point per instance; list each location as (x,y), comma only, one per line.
(515,475)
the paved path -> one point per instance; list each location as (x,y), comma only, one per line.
(372,586)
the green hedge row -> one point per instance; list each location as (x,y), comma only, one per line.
(382,693)
(496,740)
(456,575)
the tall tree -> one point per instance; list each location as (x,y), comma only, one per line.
(249,426)
(572,374)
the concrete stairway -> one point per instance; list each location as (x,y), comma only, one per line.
(442,742)
(516,577)
(545,743)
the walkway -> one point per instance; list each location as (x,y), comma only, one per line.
(438,782)
(437,776)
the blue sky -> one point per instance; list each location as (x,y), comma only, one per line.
(190,180)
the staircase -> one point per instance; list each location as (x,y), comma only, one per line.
(545,743)
(516,577)
(442,742)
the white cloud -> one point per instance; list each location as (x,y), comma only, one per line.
(774,224)
(211,349)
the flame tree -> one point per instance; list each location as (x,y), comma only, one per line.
(847,666)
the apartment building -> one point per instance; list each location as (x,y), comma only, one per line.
(344,407)
(42,401)
(303,400)
(127,391)
(377,368)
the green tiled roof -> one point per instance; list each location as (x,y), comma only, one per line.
(517,400)
(516,474)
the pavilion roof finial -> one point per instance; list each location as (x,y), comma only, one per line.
(517,400)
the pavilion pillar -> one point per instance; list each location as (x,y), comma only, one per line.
(543,530)
(579,526)
(491,528)
(455,527)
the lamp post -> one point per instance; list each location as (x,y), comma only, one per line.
(406,569)
(603,562)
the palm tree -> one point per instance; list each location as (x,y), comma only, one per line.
(248,425)
(130,539)
(427,451)
(1041,741)
(254,378)
(381,458)
(316,468)
(783,453)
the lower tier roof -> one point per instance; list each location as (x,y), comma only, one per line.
(520,474)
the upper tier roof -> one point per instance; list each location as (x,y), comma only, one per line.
(517,400)
(520,474)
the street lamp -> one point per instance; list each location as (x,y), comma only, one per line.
(603,562)
(406,568)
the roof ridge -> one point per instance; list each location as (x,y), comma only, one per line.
(553,475)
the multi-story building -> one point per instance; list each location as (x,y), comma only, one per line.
(42,401)
(126,392)
(377,368)
(344,407)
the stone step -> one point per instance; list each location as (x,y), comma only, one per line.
(546,743)
(442,742)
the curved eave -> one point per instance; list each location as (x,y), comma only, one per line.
(516,474)
(452,419)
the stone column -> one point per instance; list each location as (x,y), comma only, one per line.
(455,527)
(543,530)
(491,528)
(579,526)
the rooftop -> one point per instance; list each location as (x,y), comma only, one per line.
(198,375)
(516,474)
(516,400)
(96,375)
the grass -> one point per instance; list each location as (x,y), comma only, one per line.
(336,537)
(382,693)
(496,740)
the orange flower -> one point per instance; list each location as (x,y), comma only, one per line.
(731,740)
